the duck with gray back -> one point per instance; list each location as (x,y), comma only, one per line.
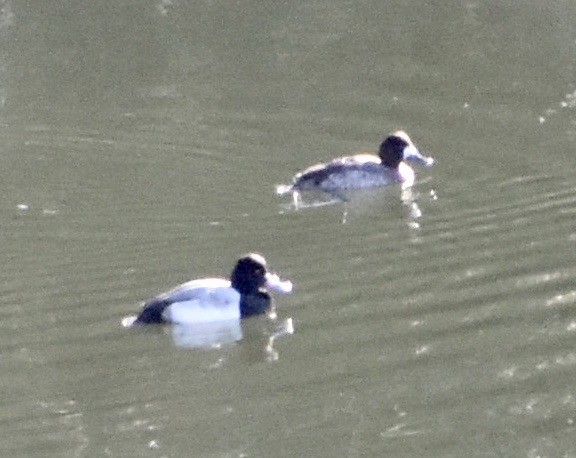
(363,170)
(217,299)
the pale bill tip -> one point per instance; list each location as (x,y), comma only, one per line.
(274,282)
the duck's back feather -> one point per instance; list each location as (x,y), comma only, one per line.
(196,301)
(195,289)
(349,172)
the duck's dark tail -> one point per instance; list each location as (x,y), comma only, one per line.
(152,313)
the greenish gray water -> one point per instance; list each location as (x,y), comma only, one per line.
(141,143)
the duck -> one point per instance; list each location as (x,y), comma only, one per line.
(209,300)
(363,170)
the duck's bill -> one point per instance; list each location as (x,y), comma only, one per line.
(411,153)
(275,283)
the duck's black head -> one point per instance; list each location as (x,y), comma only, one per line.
(392,150)
(397,147)
(251,279)
(249,274)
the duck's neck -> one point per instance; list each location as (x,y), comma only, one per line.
(254,304)
(390,163)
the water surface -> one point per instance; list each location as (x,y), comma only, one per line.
(141,145)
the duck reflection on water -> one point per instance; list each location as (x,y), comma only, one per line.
(256,337)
